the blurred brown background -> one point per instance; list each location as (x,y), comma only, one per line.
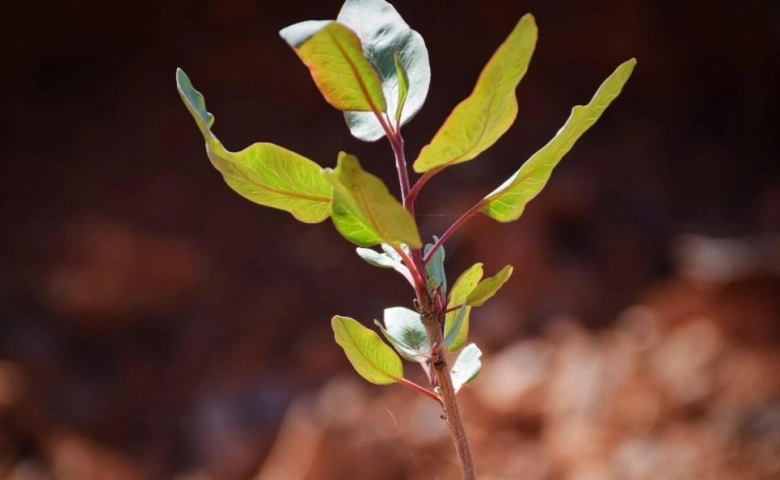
(155,325)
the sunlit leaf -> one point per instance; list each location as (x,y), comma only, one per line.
(467,366)
(507,202)
(364,211)
(480,120)
(264,173)
(334,56)
(384,260)
(458,330)
(384,34)
(372,358)
(403,328)
(435,268)
(488,287)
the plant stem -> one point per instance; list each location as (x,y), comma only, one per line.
(453,228)
(432,310)
(415,190)
(414,268)
(433,322)
(403,174)
(420,389)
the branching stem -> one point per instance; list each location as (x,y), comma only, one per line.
(414,268)
(453,228)
(415,190)
(419,389)
(432,309)
(433,322)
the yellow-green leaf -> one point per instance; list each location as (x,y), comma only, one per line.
(264,173)
(488,287)
(507,202)
(464,285)
(482,118)
(364,211)
(372,358)
(334,56)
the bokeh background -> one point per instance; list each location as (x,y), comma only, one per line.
(155,325)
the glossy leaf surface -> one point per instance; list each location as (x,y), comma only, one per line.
(507,202)
(372,358)
(264,173)
(457,330)
(488,287)
(467,366)
(334,56)
(480,120)
(383,34)
(364,211)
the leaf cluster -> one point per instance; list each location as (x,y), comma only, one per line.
(369,64)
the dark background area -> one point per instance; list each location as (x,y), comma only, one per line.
(153,322)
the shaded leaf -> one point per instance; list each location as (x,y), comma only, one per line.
(364,211)
(404,330)
(488,287)
(368,354)
(384,34)
(264,173)
(467,366)
(334,56)
(480,120)
(384,260)
(507,202)
(437,277)
(455,328)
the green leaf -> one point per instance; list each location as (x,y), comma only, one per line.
(403,87)
(467,366)
(488,287)
(482,118)
(364,211)
(458,330)
(404,330)
(264,173)
(384,260)
(368,354)
(507,202)
(384,34)
(437,277)
(334,56)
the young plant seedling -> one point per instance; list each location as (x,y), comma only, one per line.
(369,64)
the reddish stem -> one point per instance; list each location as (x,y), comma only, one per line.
(452,309)
(420,389)
(419,281)
(453,228)
(412,195)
